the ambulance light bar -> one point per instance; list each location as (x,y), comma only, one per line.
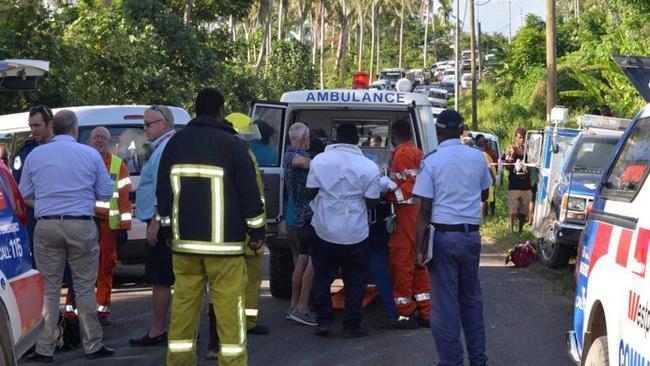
(608,123)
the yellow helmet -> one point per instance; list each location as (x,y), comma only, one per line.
(244,126)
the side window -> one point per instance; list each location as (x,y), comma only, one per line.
(269,122)
(631,166)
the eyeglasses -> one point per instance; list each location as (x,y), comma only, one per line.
(148,124)
(164,111)
(44,110)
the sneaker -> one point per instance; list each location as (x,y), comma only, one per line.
(212,355)
(147,341)
(304,317)
(104,321)
(289,312)
(401,322)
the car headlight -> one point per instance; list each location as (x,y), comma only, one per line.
(577,204)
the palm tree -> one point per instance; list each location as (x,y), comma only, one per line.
(265,13)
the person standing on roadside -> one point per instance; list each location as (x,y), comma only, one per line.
(342,184)
(40,126)
(449,185)
(519,185)
(299,230)
(211,209)
(65,230)
(159,128)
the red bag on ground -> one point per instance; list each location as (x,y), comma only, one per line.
(522,254)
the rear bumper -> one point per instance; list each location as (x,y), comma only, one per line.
(572,347)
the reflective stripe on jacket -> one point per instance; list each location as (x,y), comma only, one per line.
(117,210)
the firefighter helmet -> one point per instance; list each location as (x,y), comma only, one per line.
(244,126)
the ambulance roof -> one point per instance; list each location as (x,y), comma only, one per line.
(98,115)
(364,97)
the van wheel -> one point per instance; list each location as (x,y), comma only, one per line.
(598,354)
(6,343)
(281,264)
(553,254)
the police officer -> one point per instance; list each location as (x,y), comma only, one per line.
(207,193)
(40,126)
(449,184)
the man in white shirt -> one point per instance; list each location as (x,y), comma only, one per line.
(343,184)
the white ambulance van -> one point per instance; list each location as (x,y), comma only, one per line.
(372,111)
(127,141)
(612,305)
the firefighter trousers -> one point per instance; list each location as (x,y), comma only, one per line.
(254,270)
(411,288)
(107,263)
(227,278)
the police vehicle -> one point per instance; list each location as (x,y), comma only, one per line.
(372,111)
(611,324)
(570,162)
(128,141)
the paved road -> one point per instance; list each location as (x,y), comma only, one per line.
(525,322)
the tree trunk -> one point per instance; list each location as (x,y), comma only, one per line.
(315,28)
(401,34)
(372,41)
(280,20)
(265,36)
(426,31)
(344,37)
(360,38)
(187,15)
(377,28)
(301,21)
(322,45)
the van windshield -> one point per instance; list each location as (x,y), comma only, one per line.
(127,142)
(592,156)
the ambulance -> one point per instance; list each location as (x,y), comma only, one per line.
(372,111)
(127,141)
(611,323)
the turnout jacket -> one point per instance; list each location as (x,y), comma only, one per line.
(207,191)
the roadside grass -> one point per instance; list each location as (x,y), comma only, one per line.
(495,231)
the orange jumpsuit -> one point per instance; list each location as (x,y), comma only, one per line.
(108,239)
(410,284)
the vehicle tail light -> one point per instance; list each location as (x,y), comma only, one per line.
(17,202)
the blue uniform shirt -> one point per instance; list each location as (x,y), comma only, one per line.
(19,159)
(145,197)
(65,178)
(453,177)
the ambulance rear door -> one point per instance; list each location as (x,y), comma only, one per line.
(270,118)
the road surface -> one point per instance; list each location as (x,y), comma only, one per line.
(526,318)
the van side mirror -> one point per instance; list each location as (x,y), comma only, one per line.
(556,148)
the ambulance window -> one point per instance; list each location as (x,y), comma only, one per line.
(269,122)
(631,166)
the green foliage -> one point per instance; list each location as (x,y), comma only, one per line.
(289,68)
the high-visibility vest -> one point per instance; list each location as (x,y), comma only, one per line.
(114,214)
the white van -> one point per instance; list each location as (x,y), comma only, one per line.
(372,111)
(128,142)
(611,321)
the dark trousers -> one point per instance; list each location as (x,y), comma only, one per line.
(353,260)
(456,298)
(379,269)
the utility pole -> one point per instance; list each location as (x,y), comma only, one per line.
(551,67)
(472,52)
(480,52)
(457,56)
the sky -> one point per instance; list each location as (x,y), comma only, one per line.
(493,15)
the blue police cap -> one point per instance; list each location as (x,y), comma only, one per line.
(450,120)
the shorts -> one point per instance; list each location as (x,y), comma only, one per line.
(518,202)
(300,238)
(158,268)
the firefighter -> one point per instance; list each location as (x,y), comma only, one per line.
(410,284)
(210,210)
(247,131)
(112,216)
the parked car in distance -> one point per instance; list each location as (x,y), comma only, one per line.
(466,81)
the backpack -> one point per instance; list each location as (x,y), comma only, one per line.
(522,254)
(69,333)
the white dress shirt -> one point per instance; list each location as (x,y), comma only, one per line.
(344,177)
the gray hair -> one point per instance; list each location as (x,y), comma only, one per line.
(164,112)
(297,131)
(101,130)
(65,122)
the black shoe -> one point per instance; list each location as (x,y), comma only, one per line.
(322,330)
(259,329)
(104,321)
(147,341)
(401,322)
(100,353)
(355,333)
(37,357)
(424,323)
